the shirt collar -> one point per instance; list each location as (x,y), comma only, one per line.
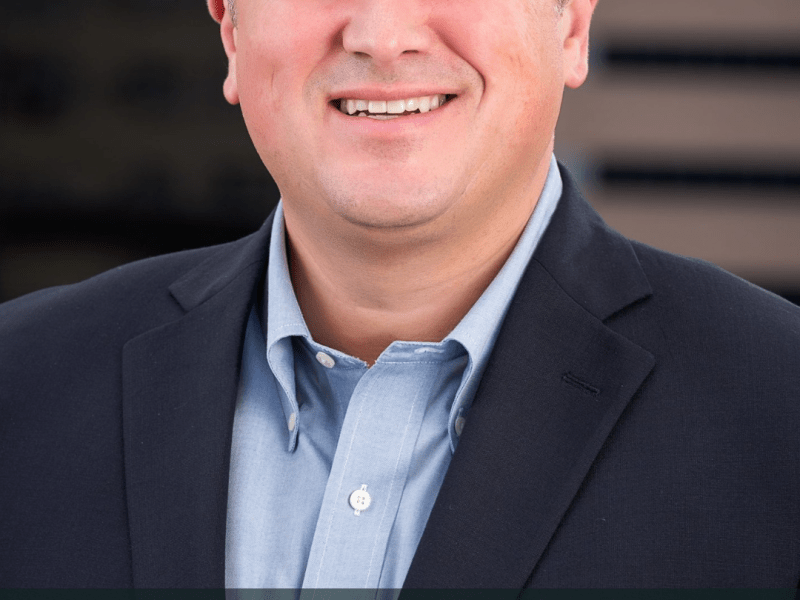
(284,319)
(476,332)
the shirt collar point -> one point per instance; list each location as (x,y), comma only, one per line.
(292,440)
(453,441)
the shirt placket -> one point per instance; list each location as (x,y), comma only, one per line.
(368,475)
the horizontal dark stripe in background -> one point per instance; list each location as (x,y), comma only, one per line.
(654,57)
(618,174)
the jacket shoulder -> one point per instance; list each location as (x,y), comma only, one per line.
(124,295)
(69,328)
(103,294)
(718,338)
(702,295)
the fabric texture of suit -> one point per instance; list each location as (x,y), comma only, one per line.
(636,426)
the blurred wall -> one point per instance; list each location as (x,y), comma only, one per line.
(687,134)
(117,144)
(116,141)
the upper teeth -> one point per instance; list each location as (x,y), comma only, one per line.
(392,107)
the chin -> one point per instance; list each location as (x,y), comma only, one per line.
(400,206)
(388,213)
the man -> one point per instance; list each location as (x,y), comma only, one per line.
(433,366)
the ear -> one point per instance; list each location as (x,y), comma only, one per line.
(229,35)
(217,9)
(574,27)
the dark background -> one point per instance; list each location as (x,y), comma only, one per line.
(117,143)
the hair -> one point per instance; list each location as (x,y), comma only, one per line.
(232,9)
(560,6)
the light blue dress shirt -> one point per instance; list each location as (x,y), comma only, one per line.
(335,466)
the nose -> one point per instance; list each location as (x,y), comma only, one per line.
(386,29)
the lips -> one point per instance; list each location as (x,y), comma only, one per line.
(390,109)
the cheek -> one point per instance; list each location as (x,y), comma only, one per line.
(281,43)
(257,66)
(537,76)
(266,40)
(265,83)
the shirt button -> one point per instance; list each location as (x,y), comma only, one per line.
(292,421)
(360,499)
(325,360)
(460,425)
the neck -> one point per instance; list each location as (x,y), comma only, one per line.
(360,291)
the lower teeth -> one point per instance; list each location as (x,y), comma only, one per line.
(383,116)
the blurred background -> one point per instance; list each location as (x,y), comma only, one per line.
(117,143)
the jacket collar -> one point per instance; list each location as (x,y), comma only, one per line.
(178,407)
(556,383)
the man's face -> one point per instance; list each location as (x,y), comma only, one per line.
(305,70)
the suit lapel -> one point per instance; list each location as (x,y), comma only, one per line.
(556,383)
(179,391)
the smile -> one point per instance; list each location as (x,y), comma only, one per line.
(391,109)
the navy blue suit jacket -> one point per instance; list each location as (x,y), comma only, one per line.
(638,425)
